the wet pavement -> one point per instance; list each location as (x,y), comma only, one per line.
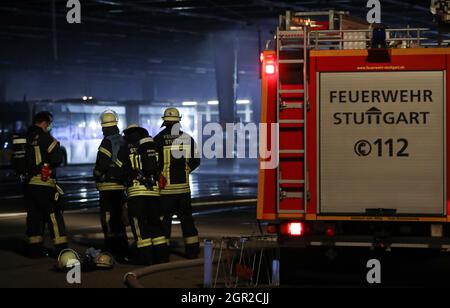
(212,181)
(311,268)
(84,231)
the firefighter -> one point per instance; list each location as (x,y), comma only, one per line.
(178,157)
(139,164)
(111,190)
(42,195)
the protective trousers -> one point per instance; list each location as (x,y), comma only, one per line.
(114,229)
(145,219)
(42,205)
(180,205)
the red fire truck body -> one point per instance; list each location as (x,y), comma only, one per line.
(362,139)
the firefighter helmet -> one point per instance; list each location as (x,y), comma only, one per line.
(109,118)
(132,126)
(171,115)
(68,258)
(104,260)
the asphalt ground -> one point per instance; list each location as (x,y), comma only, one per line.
(84,230)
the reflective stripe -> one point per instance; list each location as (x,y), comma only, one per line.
(146,193)
(105,151)
(136,162)
(55,225)
(171,119)
(144,243)
(119,163)
(159,241)
(140,190)
(166,168)
(145,140)
(191,240)
(60,240)
(35,239)
(37,154)
(20,141)
(178,188)
(36,180)
(52,146)
(136,227)
(141,243)
(107,221)
(59,190)
(175,191)
(109,186)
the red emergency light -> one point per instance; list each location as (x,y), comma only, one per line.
(269,68)
(293,229)
(268,61)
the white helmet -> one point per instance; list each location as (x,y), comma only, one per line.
(109,118)
(68,258)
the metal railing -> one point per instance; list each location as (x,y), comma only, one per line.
(340,39)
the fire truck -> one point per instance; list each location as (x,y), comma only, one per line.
(361,136)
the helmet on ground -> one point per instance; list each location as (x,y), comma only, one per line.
(68,258)
(109,118)
(104,260)
(171,115)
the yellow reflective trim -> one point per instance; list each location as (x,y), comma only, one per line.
(140,187)
(52,146)
(139,162)
(60,240)
(145,140)
(55,225)
(107,218)
(159,241)
(105,151)
(140,190)
(166,168)
(107,221)
(20,141)
(143,194)
(119,163)
(144,243)
(131,156)
(35,239)
(59,190)
(36,180)
(37,154)
(177,186)
(109,186)
(175,191)
(191,240)
(136,227)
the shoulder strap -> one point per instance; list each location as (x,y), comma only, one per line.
(116,142)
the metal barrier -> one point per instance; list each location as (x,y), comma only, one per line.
(233,262)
